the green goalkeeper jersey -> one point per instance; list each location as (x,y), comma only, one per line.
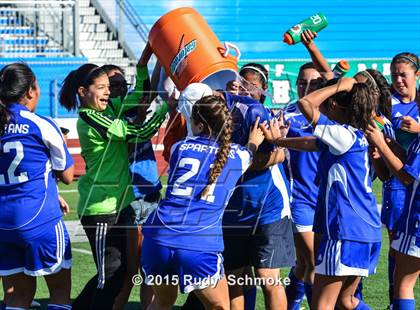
(106,187)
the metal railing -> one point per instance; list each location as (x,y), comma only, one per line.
(53,26)
(134,18)
(120,17)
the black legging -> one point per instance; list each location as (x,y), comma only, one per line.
(107,236)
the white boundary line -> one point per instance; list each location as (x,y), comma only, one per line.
(81,251)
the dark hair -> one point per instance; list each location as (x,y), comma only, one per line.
(260,71)
(109,68)
(16,80)
(308,65)
(212,112)
(376,81)
(257,69)
(84,76)
(359,103)
(5,116)
(408,58)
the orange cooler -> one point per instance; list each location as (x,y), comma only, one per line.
(190,52)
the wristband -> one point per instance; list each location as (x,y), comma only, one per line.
(252,147)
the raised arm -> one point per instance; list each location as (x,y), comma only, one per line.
(320,63)
(309,105)
(120,130)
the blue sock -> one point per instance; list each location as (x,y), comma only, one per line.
(404,304)
(294,292)
(58,307)
(13,308)
(250,296)
(391,268)
(362,306)
(359,291)
(308,292)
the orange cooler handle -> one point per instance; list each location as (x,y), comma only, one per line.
(228,46)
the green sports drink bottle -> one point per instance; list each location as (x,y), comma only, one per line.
(314,23)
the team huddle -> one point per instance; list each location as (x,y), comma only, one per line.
(249,190)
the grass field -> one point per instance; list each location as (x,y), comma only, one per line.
(375,287)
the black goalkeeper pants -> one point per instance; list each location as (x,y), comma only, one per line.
(107,236)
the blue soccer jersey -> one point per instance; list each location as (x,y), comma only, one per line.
(400,109)
(301,167)
(346,207)
(30,149)
(262,196)
(410,218)
(184,219)
(143,169)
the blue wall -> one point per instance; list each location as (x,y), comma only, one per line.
(357,28)
(48,70)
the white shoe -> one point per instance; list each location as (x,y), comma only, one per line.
(35,304)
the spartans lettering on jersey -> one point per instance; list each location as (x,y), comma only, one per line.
(16,128)
(203,148)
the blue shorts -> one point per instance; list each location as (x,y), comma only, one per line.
(302,216)
(191,270)
(347,258)
(44,255)
(392,207)
(406,244)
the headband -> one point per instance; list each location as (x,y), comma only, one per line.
(255,69)
(410,60)
(86,79)
(371,78)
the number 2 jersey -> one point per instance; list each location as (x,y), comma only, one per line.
(30,149)
(346,207)
(184,219)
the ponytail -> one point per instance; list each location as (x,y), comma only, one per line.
(5,116)
(213,113)
(68,92)
(376,81)
(362,106)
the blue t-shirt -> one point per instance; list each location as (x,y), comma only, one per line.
(410,218)
(143,170)
(30,149)
(262,196)
(184,219)
(404,138)
(301,167)
(400,109)
(346,208)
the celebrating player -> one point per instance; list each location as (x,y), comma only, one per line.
(33,238)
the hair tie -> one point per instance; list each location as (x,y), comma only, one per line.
(255,69)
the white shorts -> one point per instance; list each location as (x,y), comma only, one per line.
(406,244)
(347,258)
